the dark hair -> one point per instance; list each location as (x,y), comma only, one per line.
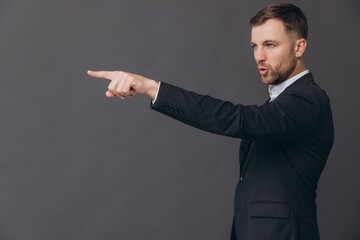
(292,17)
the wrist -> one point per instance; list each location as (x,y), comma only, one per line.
(152,89)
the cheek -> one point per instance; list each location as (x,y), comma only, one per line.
(279,59)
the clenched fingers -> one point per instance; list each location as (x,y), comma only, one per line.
(122,85)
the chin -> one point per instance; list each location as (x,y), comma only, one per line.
(266,80)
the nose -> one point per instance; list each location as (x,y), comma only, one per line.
(259,55)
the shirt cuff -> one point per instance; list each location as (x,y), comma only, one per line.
(157,92)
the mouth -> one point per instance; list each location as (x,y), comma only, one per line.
(263,70)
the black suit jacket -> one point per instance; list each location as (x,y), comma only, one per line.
(284,148)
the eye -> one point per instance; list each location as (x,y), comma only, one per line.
(270,45)
(253,46)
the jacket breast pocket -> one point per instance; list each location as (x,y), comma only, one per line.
(269,221)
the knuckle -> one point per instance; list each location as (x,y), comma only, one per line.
(119,90)
(121,74)
(111,88)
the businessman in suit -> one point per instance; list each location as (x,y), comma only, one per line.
(285,142)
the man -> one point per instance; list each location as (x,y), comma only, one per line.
(285,142)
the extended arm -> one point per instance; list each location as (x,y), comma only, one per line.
(290,117)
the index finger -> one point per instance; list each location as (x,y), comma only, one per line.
(102,74)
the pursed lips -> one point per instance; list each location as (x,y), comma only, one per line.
(263,70)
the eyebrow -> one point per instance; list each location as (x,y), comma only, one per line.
(270,41)
(265,42)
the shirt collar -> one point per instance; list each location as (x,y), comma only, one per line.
(276,90)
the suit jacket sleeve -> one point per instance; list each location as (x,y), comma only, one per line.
(291,115)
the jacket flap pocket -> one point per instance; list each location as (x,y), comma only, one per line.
(269,210)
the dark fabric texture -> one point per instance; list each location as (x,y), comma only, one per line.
(285,145)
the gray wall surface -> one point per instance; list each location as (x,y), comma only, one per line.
(76,165)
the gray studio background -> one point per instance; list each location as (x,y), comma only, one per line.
(76,165)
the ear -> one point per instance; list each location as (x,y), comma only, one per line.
(300,46)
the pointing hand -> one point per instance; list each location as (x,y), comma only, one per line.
(124,84)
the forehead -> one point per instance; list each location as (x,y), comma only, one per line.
(272,29)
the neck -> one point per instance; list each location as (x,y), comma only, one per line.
(300,67)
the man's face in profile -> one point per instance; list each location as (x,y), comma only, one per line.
(274,51)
